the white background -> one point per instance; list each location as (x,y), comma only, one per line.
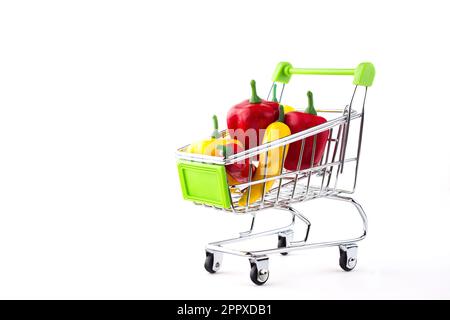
(95,97)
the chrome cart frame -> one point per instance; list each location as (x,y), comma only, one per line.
(290,187)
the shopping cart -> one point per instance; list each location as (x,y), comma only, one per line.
(204,180)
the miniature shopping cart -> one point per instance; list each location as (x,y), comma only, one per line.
(204,180)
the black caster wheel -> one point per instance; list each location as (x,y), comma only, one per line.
(213,262)
(282,243)
(259,276)
(348,257)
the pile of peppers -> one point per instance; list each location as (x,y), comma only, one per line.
(247,121)
(256,121)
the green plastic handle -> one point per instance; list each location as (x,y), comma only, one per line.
(363,74)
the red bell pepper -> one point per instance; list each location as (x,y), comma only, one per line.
(237,172)
(299,121)
(247,120)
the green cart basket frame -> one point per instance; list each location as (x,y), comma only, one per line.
(204,183)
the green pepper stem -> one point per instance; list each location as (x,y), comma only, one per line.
(215,133)
(281,113)
(254,98)
(310,109)
(274,96)
(226,150)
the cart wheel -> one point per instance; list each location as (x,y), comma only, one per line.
(213,261)
(259,272)
(347,259)
(282,243)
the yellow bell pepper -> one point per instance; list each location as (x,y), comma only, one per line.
(218,146)
(271,165)
(210,146)
(206,147)
(288,109)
